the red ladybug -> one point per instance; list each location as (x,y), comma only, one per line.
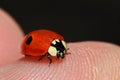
(44,43)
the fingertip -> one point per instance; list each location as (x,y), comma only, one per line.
(11,36)
(87,61)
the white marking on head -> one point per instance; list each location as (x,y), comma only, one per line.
(64,44)
(54,42)
(57,40)
(61,54)
(52,51)
(53,48)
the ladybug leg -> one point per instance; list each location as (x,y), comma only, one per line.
(26,55)
(41,57)
(49,60)
(68,52)
(48,56)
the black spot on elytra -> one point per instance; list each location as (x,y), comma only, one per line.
(29,40)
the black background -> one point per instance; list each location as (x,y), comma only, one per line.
(76,20)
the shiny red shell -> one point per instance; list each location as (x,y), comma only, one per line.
(40,42)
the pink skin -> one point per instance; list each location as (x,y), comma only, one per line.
(88,60)
(10,39)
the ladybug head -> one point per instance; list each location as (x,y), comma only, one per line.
(57,48)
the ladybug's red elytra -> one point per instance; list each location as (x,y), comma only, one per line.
(44,43)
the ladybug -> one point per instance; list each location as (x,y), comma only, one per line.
(44,43)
